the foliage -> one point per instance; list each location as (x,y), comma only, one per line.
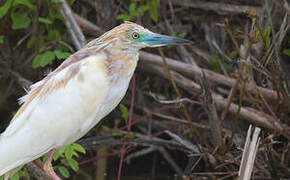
(41,60)
(23,172)
(125,111)
(22,14)
(180,35)
(142,7)
(65,156)
(286,51)
(217,60)
(1,39)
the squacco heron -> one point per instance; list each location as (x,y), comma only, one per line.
(72,99)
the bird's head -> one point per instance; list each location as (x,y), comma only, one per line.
(132,37)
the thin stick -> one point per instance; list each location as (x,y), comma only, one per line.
(249,154)
(123,150)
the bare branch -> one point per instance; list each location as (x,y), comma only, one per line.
(76,33)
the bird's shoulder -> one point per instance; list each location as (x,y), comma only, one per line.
(58,78)
(72,71)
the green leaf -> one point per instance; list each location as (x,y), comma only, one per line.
(25,3)
(234,54)
(117,122)
(124,17)
(216,66)
(57,16)
(44,59)
(125,111)
(30,42)
(45,158)
(1,39)
(61,55)
(64,172)
(132,135)
(144,8)
(267,37)
(181,35)
(47,58)
(132,10)
(53,35)
(19,21)
(215,63)
(2,177)
(73,164)
(105,128)
(15,176)
(117,133)
(154,10)
(74,153)
(286,52)
(68,152)
(44,20)
(78,148)
(174,34)
(4,9)
(58,153)
(25,173)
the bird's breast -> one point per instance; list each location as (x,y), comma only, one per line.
(118,75)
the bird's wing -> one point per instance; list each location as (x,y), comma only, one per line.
(39,90)
(53,111)
(68,70)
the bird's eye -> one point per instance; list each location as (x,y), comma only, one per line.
(135,35)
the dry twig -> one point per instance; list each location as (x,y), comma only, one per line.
(249,154)
(210,109)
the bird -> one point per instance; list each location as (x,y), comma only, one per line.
(68,102)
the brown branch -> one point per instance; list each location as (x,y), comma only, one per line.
(210,109)
(247,113)
(77,36)
(36,172)
(87,26)
(219,8)
(193,71)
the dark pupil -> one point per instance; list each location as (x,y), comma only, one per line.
(135,36)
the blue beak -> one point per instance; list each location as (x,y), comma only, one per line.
(162,40)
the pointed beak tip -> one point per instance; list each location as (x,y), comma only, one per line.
(188,42)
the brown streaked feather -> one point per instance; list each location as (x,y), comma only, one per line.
(55,85)
(44,88)
(116,35)
(114,70)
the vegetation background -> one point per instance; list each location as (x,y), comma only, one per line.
(191,112)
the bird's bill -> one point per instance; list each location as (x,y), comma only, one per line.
(156,40)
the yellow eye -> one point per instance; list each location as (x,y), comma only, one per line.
(135,35)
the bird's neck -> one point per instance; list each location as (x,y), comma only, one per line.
(120,64)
